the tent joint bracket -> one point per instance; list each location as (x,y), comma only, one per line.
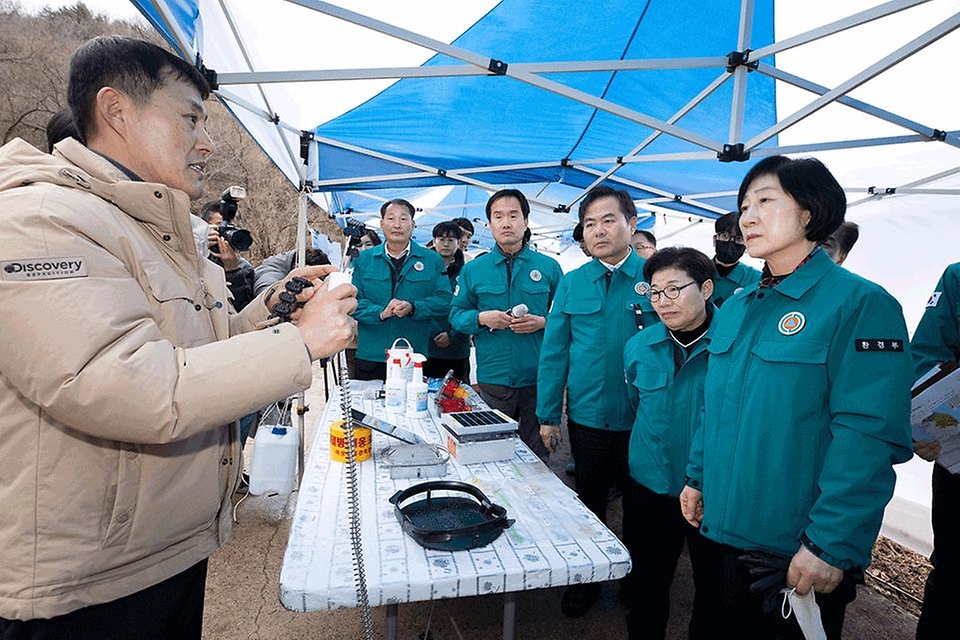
(938,135)
(306,137)
(497,67)
(733,153)
(741,59)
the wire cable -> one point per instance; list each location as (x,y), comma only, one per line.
(353,501)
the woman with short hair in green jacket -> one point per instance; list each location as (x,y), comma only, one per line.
(665,365)
(806,410)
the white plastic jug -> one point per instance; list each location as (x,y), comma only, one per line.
(403,354)
(274,465)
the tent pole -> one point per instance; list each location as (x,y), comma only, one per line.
(912,47)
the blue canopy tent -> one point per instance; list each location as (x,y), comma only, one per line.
(664,99)
(442,102)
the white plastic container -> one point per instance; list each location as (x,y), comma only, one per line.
(273,469)
(395,389)
(400,359)
(417,392)
(338,278)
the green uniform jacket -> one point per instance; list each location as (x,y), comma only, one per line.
(583,345)
(936,339)
(504,357)
(420,281)
(741,277)
(669,406)
(807,406)
(459,347)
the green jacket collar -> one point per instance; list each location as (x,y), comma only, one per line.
(499,257)
(632,267)
(659,334)
(416,254)
(802,280)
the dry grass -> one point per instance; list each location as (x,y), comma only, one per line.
(898,574)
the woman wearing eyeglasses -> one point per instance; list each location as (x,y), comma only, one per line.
(807,402)
(665,365)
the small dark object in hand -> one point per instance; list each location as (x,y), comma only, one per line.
(288,298)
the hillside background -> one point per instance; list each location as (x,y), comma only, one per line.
(34,54)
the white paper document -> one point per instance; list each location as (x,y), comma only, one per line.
(935,412)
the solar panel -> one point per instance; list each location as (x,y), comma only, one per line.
(478,424)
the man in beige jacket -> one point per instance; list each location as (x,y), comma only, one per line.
(116,462)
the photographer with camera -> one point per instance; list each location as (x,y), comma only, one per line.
(225,239)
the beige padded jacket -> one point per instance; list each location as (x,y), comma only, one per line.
(121,375)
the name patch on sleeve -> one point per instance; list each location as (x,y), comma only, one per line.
(43,269)
(878,344)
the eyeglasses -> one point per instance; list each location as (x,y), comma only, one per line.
(729,237)
(672,292)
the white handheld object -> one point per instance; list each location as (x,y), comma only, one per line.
(518,311)
(337,278)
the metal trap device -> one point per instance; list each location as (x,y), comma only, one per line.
(413,458)
(463,518)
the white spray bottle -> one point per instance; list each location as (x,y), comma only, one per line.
(417,390)
(395,388)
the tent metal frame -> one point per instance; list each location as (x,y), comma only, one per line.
(736,66)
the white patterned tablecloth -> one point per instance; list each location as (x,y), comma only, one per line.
(554,541)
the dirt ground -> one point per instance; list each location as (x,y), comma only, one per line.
(243,585)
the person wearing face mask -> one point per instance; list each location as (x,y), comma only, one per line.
(806,410)
(732,275)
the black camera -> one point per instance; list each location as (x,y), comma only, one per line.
(237,237)
(354,230)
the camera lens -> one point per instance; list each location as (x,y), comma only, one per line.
(239,239)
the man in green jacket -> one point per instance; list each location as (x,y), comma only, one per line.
(732,275)
(508,342)
(597,308)
(401,290)
(936,340)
